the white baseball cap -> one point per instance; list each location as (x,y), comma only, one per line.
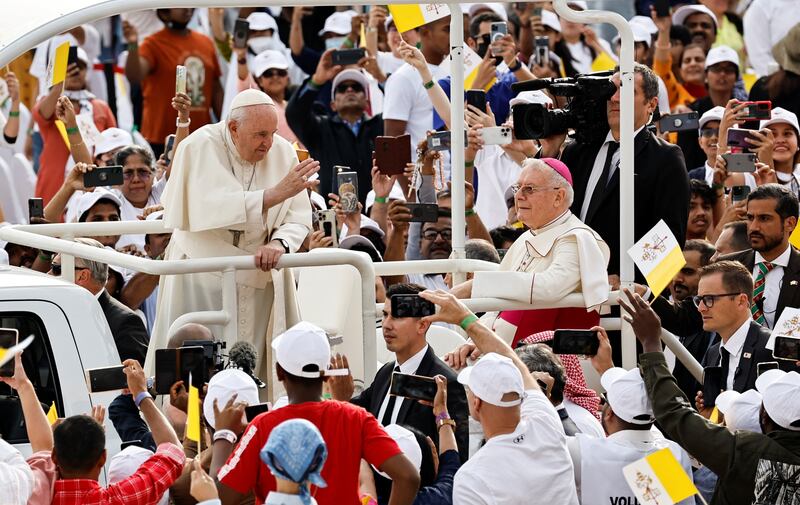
(741,409)
(304,345)
(266,60)
(550,20)
(781,115)
(492,377)
(395,194)
(351,74)
(222,387)
(640,34)
(89,199)
(260,21)
(366,224)
(646,22)
(713,114)
(495,7)
(780,391)
(627,395)
(338,23)
(126,462)
(110,139)
(680,15)
(408,444)
(528,97)
(722,53)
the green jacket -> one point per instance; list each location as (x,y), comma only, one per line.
(753,469)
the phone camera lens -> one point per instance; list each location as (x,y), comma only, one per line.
(677,123)
(103,177)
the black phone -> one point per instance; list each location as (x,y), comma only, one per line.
(740,162)
(411,306)
(109,378)
(173,365)
(477,98)
(739,193)
(713,383)
(35,208)
(787,348)
(537,11)
(439,141)
(251,411)
(348,56)
(9,337)
(662,8)
(169,144)
(423,212)
(766,365)
(679,122)
(72,56)
(580,342)
(416,387)
(241,30)
(103,176)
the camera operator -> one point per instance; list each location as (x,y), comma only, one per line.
(661,184)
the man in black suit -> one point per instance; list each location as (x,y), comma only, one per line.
(405,337)
(661,183)
(128,330)
(772,212)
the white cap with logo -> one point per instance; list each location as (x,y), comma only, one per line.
(741,410)
(680,15)
(338,23)
(713,114)
(627,395)
(304,345)
(260,21)
(223,385)
(90,199)
(492,377)
(266,60)
(780,392)
(721,54)
(528,97)
(781,115)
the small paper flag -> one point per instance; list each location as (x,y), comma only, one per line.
(659,478)
(62,129)
(193,414)
(714,417)
(363,37)
(788,325)
(52,414)
(7,355)
(409,16)
(658,255)
(57,69)
(794,238)
(472,63)
(603,62)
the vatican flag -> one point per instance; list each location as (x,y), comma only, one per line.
(658,255)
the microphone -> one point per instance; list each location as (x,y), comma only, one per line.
(243,356)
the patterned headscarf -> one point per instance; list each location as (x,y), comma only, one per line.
(576,389)
(295,451)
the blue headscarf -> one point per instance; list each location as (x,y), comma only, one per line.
(295,451)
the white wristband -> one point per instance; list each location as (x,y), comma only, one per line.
(226,435)
(182,125)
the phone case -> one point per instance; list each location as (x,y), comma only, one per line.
(476,98)
(347,184)
(392,154)
(241,30)
(327,223)
(180,79)
(347,56)
(439,141)
(496,135)
(737,136)
(105,176)
(423,212)
(740,162)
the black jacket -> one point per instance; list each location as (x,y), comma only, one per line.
(661,190)
(754,351)
(127,328)
(330,140)
(790,285)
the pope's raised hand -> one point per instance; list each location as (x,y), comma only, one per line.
(297,180)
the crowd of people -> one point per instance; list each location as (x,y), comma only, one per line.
(277,149)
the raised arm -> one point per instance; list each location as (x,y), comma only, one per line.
(136,67)
(439,99)
(54,210)
(11,130)
(37,426)
(160,427)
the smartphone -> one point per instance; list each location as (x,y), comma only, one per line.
(392,154)
(423,212)
(477,98)
(72,57)
(580,342)
(740,162)
(411,306)
(495,135)
(766,365)
(302,154)
(541,51)
(737,136)
(499,30)
(109,378)
(739,193)
(327,223)
(713,383)
(662,8)
(180,79)
(679,122)
(104,176)
(439,141)
(173,365)
(537,11)
(348,56)
(35,208)
(241,30)
(787,348)
(169,145)
(251,411)
(9,337)
(760,110)
(347,184)
(416,387)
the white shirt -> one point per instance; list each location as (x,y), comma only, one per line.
(734,346)
(772,287)
(496,171)
(766,22)
(130,213)
(388,62)
(532,462)
(409,366)
(430,281)
(748,177)
(584,420)
(582,56)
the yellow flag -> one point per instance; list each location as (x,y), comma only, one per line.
(714,417)
(659,478)
(3,353)
(603,62)
(193,421)
(62,129)
(472,63)
(409,16)
(658,255)
(52,414)
(57,69)
(794,238)
(363,36)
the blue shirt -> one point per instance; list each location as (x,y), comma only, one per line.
(498,97)
(441,491)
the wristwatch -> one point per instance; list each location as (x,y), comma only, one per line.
(445,422)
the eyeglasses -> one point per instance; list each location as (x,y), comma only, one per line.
(356,87)
(528,190)
(56,269)
(709,132)
(143,174)
(431,233)
(709,300)
(272,72)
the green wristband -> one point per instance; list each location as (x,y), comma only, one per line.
(469,164)
(468,321)
(13,113)
(469,212)
(380,199)
(72,130)
(428,85)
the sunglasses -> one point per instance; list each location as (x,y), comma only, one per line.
(709,132)
(144,174)
(56,269)
(275,72)
(343,87)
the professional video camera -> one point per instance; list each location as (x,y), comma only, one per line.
(585,112)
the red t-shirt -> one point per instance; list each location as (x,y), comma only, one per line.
(164,50)
(350,432)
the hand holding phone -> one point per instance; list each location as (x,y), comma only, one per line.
(416,387)
(9,337)
(110,378)
(104,176)
(180,79)
(347,56)
(411,306)
(35,208)
(241,31)
(579,342)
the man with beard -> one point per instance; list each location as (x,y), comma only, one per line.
(435,243)
(701,209)
(701,22)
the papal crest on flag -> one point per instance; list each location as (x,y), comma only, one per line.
(409,16)
(659,479)
(658,255)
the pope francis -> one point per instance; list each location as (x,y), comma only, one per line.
(236,188)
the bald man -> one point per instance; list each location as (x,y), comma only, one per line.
(236,189)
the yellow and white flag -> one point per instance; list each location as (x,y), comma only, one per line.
(659,479)
(658,255)
(472,64)
(794,238)
(193,414)
(52,414)
(57,68)
(409,16)
(7,355)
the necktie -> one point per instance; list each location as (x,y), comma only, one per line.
(612,160)
(756,308)
(600,189)
(386,420)
(726,356)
